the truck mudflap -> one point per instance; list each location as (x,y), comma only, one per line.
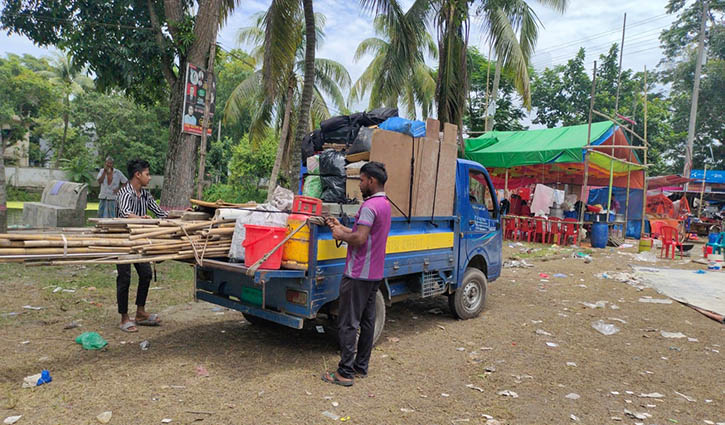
(272,316)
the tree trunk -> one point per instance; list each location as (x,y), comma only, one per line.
(307,88)
(3,193)
(494,93)
(207,99)
(282,145)
(65,132)
(181,157)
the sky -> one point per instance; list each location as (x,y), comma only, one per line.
(594,25)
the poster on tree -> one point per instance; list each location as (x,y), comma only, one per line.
(198,81)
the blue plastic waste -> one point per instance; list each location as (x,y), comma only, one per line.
(44,377)
(402,125)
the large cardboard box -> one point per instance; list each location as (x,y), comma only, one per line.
(352,184)
(433,169)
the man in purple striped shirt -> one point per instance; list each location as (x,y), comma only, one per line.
(363,274)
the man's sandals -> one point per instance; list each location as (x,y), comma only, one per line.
(332,378)
(150,320)
(129,326)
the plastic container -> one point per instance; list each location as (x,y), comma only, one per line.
(645,244)
(706,250)
(295,254)
(259,240)
(600,235)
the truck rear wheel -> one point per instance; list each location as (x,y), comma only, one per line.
(470,297)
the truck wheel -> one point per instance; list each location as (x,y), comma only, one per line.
(468,300)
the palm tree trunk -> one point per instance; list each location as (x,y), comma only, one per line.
(307,87)
(494,92)
(3,193)
(282,145)
(65,131)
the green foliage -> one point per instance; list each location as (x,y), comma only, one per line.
(508,115)
(561,94)
(79,169)
(117,126)
(23,195)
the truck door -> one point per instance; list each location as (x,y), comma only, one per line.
(480,223)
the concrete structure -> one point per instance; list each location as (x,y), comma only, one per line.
(34,177)
(17,151)
(63,205)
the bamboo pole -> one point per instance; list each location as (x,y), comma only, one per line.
(702,192)
(586,156)
(611,182)
(626,203)
(644,186)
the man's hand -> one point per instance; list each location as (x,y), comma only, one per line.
(332,222)
(338,232)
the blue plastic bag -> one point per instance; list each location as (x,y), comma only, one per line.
(402,125)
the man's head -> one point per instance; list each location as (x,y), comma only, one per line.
(191,110)
(372,178)
(139,169)
(109,162)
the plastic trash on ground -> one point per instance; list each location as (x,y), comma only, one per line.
(105,417)
(91,341)
(37,379)
(12,419)
(605,328)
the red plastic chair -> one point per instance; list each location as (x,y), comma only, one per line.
(670,238)
(570,230)
(555,228)
(540,230)
(524,229)
(510,228)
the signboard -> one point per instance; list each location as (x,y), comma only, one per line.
(197,83)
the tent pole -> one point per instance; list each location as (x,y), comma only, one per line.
(644,186)
(702,192)
(611,182)
(586,157)
(626,204)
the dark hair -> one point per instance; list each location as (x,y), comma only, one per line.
(135,165)
(375,170)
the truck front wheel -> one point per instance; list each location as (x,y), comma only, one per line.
(470,297)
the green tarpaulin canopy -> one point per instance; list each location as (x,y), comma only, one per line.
(506,149)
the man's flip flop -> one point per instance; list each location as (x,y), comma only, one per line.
(152,320)
(331,378)
(126,327)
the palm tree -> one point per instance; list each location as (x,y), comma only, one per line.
(72,80)
(511,26)
(414,87)
(286,87)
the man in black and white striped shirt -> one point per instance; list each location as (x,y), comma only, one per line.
(133,201)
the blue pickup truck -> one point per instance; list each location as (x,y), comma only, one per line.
(452,255)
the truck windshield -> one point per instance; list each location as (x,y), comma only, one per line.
(478,192)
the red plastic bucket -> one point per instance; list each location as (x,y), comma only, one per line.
(258,241)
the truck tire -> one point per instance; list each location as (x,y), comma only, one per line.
(470,297)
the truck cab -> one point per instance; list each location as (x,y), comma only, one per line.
(425,256)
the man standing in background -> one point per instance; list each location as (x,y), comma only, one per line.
(111,180)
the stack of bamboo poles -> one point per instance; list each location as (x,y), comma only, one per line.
(121,241)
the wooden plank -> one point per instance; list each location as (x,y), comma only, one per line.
(360,156)
(446,184)
(425,169)
(432,129)
(394,150)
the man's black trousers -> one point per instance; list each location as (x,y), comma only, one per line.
(123,282)
(357,310)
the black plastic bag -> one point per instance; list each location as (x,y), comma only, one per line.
(378,115)
(332,171)
(311,143)
(363,142)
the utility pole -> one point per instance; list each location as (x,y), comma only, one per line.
(619,73)
(695,94)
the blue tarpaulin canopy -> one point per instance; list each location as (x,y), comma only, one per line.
(712,177)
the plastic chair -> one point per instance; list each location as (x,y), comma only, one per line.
(670,238)
(718,246)
(510,228)
(524,229)
(570,231)
(540,229)
(555,228)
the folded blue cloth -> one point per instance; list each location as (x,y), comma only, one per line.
(405,126)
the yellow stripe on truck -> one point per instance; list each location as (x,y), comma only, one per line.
(326,249)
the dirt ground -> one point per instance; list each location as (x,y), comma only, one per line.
(427,369)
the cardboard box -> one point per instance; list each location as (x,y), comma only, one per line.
(352,184)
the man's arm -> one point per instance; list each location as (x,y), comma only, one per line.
(356,238)
(101,175)
(153,206)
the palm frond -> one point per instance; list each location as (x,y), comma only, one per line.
(279,42)
(372,45)
(245,94)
